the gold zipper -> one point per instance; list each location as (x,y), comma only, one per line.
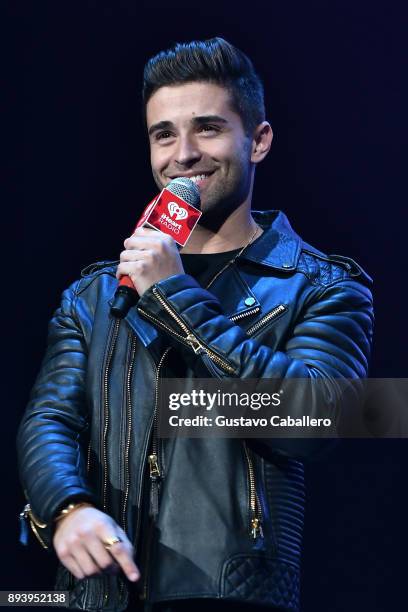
(247,313)
(112,345)
(27,514)
(190,340)
(162,325)
(129,430)
(153,458)
(278,310)
(190,337)
(88,461)
(154,467)
(127,447)
(255,507)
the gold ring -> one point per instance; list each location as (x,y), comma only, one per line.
(111,541)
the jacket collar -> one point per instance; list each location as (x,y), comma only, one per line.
(279,246)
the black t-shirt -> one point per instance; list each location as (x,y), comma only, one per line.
(203,267)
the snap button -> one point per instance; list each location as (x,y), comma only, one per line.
(250,301)
(286,265)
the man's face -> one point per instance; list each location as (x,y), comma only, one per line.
(194,132)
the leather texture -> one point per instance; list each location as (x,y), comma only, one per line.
(87,429)
(249,579)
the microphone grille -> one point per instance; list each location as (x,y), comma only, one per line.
(185,189)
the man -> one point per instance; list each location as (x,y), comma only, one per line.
(217,521)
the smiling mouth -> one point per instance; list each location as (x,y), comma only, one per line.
(196,178)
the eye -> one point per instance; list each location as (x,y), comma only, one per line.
(163,135)
(207,128)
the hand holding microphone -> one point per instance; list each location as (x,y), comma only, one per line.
(151,252)
(149,257)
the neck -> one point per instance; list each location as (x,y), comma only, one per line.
(235,232)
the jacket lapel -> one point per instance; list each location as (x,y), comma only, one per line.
(234,293)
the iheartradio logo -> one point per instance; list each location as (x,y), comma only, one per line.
(171,215)
(178,211)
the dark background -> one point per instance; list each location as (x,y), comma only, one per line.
(77,174)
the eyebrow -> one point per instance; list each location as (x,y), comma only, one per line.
(197,121)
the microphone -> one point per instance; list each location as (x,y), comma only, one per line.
(175,211)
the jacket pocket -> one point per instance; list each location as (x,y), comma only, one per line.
(256,515)
(270,317)
(260,526)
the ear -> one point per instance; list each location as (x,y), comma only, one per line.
(261,142)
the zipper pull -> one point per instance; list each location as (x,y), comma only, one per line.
(154,487)
(23,517)
(154,467)
(256,530)
(195,344)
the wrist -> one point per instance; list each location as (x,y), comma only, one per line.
(67,510)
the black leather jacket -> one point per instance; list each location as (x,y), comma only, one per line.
(284,310)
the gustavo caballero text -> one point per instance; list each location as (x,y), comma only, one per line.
(273,421)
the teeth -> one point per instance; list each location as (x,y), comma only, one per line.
(198,177)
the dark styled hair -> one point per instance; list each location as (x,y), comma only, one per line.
(216,61)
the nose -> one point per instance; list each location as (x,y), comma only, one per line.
(187,153)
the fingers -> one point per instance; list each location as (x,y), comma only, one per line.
(73,566)
(85,562)
(150,257)
(92,559)
(147,238)
(85,555)
(133,268)
(81,542)
(138,261)
(101,556)
(136,255)
(122,553)
(142,253)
